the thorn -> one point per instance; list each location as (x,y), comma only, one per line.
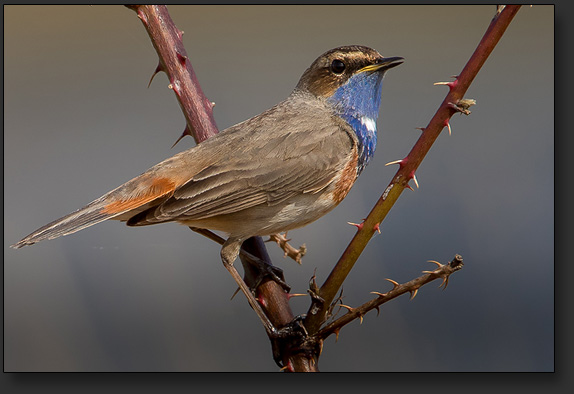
(261,300)
(407,186)
(377,228)
(234,294)
(415,180)
(359,226)
(291,295)
(337,331)
(180,33)
(379,294)
(444,283)
(313,284)
(351,310)
(186,131)
(181,58)
(447,124)
(400,162)
(451,85)
(413,293)
(157,70)
(142,16)
(378,310)
(213,104)
(435,262)
(420,128)
(288,366)
(395,284)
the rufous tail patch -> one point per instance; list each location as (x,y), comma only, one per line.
(159,187)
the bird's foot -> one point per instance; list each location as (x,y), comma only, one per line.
(268,271)
(291,335)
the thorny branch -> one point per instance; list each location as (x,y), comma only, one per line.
(407,167)
(302,355)
(443,271)
(173,60)
(198,110)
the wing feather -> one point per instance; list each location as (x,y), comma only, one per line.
(276,165)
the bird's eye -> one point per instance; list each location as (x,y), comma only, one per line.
(337,66)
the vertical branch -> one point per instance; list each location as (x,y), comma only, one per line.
(173,60)
(198,110)
(408,166)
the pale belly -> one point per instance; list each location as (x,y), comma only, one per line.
(266,220)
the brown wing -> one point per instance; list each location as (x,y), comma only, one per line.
(252,163)
(274,165)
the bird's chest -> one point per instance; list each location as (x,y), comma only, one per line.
(346,179)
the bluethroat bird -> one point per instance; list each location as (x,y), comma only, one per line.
(277,171)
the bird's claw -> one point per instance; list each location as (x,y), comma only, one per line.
(268,271)
(294,331)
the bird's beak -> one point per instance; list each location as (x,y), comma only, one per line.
(383,64)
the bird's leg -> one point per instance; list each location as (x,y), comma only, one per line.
(229,253)
(295,329)
(264,269)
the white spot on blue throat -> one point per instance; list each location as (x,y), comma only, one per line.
(358,103)
(369,123)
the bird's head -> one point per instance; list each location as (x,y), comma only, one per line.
(350,79)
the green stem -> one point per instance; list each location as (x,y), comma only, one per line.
(407,169)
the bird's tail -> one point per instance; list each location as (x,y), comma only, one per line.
(89,215)
(122,203)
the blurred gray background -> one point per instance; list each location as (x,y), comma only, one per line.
(79,121)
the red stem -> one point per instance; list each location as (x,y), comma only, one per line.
(173,60)
(198,111)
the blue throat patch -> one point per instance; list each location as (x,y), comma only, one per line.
(358,103)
